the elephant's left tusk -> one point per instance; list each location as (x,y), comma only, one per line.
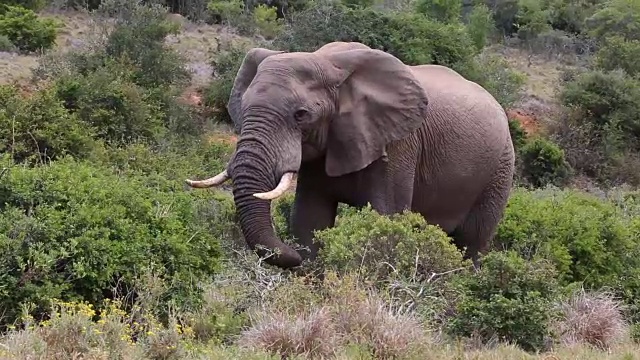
(284,184)
(214,181)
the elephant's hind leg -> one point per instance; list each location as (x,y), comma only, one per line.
(481,223)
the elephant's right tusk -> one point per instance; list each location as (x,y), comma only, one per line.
(284,184)
(214,181)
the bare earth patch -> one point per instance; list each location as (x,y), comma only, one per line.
(195,42)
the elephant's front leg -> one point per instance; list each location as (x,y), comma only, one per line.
(388,182)
(312,210)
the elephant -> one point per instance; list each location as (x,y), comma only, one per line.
(358,126)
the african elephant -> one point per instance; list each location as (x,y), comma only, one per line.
(359,126)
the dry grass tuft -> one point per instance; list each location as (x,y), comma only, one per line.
(310,334)
(592,318)
(348,315)
(374,323)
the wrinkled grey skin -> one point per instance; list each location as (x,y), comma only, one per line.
(358,126)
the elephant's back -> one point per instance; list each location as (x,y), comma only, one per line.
(461,112)
(465,142)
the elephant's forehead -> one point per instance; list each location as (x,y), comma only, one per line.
(300,66)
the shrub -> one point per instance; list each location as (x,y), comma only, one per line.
(593,318)
(74,231)
(34,5)
(617,53)
(608,100)
(380,247)
(358,3)
(175,159)
(569,15)
(587,239)
(318,320)
(480,25)
(446,11)
(6,45)
(494,74)
(39,128)
(309,334)
(25,30)
(137,33)
(616,17)
(107,100)
(226,64)
(504,14)
(412,38)
(518,135)
(531,19)
(266,21)
(543,163)
(229,11)
(509,299)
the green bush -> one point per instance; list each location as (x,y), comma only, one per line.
(587,239)
(6,45)
(480,25)
(75,231)
(618,53)
(411,37)
(616,17)
(569,15)
(226,64)
(510,299)
(176,160)
(504,15)
(608,100)
(266,21)
(25,30)
(108,100)
(531,19)
(382,247)
(494,74)
(352,4)
(544,163)
(229,11)
(39,128)
(446,11)
(34,5)
(137,34)
(518,134)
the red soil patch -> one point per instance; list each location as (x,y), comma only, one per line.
(527,120)
(191,96)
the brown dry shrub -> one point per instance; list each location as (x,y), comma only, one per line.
(388,333)
(593,318)
(347,314)
(310,334)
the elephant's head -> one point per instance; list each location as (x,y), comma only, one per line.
(344,103)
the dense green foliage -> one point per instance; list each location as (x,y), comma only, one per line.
(26,30)
(403,245)
(543,163)
(73,231)
(510,298)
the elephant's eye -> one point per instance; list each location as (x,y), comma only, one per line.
(301,115)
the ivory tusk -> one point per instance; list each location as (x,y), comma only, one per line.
(284,184)
(214,181)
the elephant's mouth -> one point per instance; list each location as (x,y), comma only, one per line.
(285,183)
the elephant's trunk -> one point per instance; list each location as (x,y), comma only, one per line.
(256,171)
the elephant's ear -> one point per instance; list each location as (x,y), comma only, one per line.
(245,75)
(380,101)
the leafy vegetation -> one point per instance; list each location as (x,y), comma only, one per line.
(25,30)
(103,241)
